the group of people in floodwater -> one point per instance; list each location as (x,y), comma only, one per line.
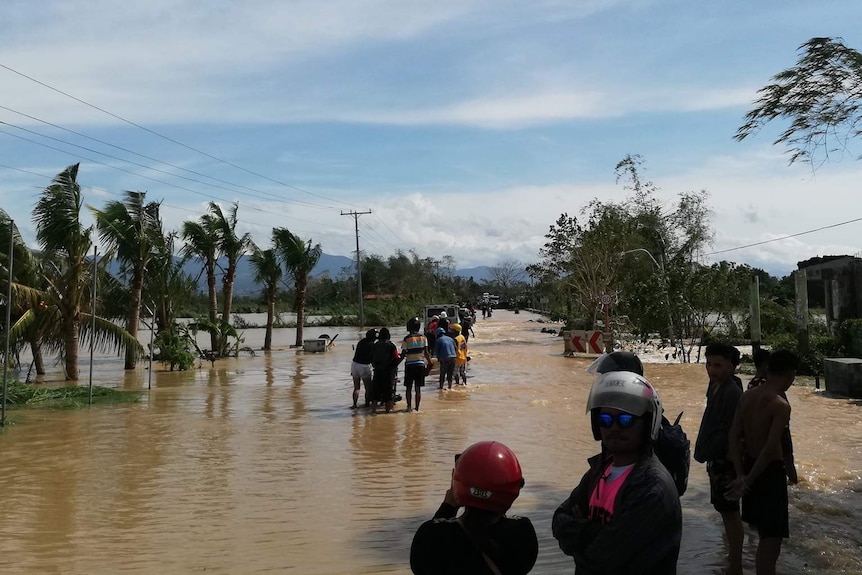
(376,359)
(625,516)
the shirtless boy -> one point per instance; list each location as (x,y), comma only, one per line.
(755,449)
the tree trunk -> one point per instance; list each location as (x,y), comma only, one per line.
(301,288)
(134,314)
(227,290)
(70,339)
(36,350)
(270,314)
(213,304)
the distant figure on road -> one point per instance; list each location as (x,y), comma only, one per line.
(445,352)
(414,349)
(385,360)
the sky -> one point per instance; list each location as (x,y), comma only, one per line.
(466,127)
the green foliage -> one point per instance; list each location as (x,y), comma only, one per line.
(850,335)
(227,338)
(776,319)
(820,346)
(175,347)
(821,96)
(27,395)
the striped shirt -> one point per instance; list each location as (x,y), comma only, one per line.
(413,348)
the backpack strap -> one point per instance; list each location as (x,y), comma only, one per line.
(488,561)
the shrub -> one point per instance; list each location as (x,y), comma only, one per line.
(175,350)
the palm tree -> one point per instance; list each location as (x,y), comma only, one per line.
(267,271)
(299,258)
(168,286)
(25,278)
(65,244)
(202,243)
(232,247)
(129,230)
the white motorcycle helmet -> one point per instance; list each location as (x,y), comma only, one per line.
(627,392)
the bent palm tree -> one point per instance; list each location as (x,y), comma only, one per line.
(202,243)
(232,247)
(268,272)
(65,244)
(299,258)
(130,229)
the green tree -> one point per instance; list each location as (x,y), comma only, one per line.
(26,297)
(168,286)
(267,271)
(130,229)
(65,244)
(821,96)
(201,242)
(232,247)
(299,258)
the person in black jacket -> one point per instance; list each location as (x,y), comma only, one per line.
(624,517)
(384,360)
(360,367)
(713,443)
(483,540)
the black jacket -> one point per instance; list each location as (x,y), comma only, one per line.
(441,547)
(642,537)
(713,437)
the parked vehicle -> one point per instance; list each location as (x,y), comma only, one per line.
(431,310)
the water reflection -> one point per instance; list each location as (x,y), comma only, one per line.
(257,463)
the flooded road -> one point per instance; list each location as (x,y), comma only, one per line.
(258,465)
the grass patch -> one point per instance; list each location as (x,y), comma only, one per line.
(66,397)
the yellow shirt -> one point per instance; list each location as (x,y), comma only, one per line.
(460,350)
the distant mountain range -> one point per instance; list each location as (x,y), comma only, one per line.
(334,266)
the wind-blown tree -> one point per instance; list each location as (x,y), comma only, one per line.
(637,248)
(201,242)
(130,229)
(168,286)
(299,258)
(232,247)
(65,244)
(267,271)
(25,279)
(507,274)
(821,96)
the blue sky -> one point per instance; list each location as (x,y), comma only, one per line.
(466,126)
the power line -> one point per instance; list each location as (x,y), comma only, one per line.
(179,187)
(145,157)
(786,237)
(169,139)
(379,219)
(146,167)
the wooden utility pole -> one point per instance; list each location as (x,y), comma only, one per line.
(754,312)
(356,215)
(801,278)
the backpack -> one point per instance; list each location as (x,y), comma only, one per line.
(673,449)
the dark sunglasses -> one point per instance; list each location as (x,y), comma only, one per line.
(624,420)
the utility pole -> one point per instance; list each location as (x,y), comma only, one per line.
(356,215)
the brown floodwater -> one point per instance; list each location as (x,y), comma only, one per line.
(258,464)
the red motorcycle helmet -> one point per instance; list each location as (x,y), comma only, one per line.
(487,476)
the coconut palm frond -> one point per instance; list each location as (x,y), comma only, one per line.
(108,335)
